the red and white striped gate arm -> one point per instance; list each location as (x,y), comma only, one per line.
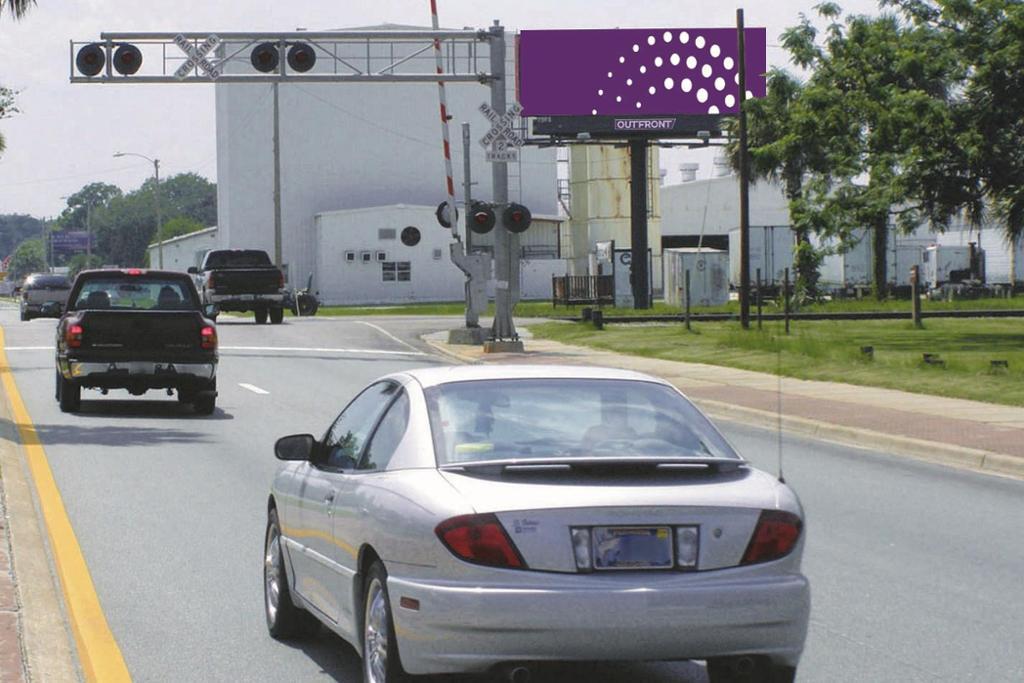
(444,123)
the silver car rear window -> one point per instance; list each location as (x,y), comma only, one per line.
(560,418)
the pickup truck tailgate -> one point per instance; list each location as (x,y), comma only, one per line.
(142,335)
(246,281)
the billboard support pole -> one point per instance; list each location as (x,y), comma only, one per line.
(744,178)
(638,223)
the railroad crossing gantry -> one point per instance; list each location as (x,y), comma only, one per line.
(358,56)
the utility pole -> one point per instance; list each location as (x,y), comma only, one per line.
(88,234)
(277,176)
(638,223)
(744,179)
(159,219)
(472,318)
(503,327)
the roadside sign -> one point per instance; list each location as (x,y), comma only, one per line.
(197,57)
(502,142)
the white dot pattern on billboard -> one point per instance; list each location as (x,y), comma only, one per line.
(659,71)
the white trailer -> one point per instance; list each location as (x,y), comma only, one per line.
(945,264)
(709,276)
(771,250)
(845,266)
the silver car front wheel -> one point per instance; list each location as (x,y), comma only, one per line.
(380,651)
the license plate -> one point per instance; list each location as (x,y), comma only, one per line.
(633,547)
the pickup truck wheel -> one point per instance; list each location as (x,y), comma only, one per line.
(69,394)
(261,316)
(186,396)
(204,404)
(276,316)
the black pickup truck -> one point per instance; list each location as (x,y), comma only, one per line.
(137,330)
(242,280)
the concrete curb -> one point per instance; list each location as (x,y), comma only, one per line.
(930,451)
(47,644)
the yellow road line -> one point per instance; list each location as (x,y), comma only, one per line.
(98,652)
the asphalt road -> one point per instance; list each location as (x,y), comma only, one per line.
(916,570)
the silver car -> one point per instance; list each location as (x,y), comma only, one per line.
(484,518)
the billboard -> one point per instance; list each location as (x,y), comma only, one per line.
(637,72)
(70,242)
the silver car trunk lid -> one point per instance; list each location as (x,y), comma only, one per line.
(538,509)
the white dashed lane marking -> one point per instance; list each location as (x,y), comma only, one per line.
(253,388)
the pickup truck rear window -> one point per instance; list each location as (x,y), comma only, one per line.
(136,294)
(237,259)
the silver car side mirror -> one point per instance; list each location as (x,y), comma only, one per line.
(298,447)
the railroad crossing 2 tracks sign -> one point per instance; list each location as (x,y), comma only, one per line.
(197,57)
(502,142)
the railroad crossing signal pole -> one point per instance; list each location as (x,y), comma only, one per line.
(503,327)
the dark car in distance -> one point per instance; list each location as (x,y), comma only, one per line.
(137,330)
(43,296)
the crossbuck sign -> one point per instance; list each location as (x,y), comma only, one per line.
(501,142)
(197,57)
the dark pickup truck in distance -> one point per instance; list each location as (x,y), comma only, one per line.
(137,330)
(242,280)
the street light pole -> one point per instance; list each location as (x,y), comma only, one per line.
(159,221)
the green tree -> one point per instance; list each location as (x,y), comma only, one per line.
(96,195)
(189,195)
(80,262)
(15,229)
(878,103)
(29,257)
(987,37)
(126,225)
(179,226)
(7,108)
(783,148)
(17,8)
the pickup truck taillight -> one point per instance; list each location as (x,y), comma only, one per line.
(73,335)
(208,337)
(280,281)
(211,281)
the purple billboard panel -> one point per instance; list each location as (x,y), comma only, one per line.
(69,242)
(637,72)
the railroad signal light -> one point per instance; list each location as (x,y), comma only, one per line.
(483,218)
(91,59)
(444,215)
(517,218)
(301,57)
(265,57)
(127,60)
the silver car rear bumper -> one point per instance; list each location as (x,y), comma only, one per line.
(569,618)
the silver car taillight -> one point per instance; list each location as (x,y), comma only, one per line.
(687,546)
(581,549)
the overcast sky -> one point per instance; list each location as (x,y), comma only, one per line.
(66,134)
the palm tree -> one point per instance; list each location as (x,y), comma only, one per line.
(17,8)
